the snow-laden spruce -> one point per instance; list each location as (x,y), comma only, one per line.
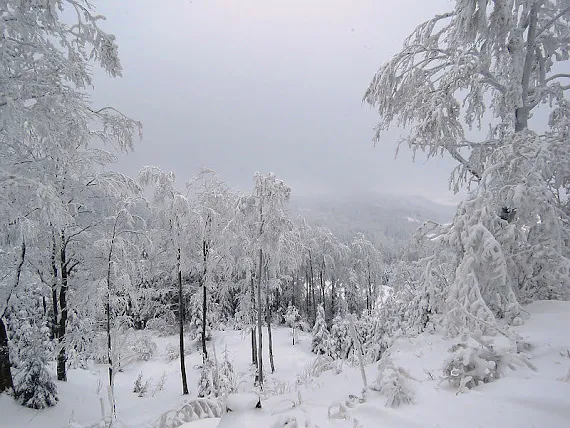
(320,342)
(32,349)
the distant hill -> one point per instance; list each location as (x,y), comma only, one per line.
(384,219)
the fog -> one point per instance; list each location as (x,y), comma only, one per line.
(240,86)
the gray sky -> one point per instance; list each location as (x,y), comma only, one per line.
(265,85)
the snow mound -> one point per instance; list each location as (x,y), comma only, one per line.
(242,402)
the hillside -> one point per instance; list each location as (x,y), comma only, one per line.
(383,218)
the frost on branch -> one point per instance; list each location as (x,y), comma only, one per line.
(470,66)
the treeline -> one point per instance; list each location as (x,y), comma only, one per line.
(97,255)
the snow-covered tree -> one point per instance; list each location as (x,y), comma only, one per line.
(292,317)
(197,329)
(266,209)
(320,342)
(120,254)
(207,383)
(173,216)
(340,340)
(226,377)
(47,121)
(33,385)
(491,65)
(452,68)
(213,205)
(367,266)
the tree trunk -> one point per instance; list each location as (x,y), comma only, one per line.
(55,315)
(181,326)
(308,296)
(259,323)
(333,298)
(253,347)
(293,286)
(522,112)
(6,382)
(370,294)
(108,311)
(204,315)
(271,363)
(311,279)
(204,298)
(62,356)
(358,345)
(253,339)
(322,283)
(268,320)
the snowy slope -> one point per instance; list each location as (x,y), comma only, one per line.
(521,398)
(385,219)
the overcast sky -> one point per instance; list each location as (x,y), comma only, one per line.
(265,85)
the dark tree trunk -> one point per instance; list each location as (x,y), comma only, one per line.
(55,316)
(311,279)
(293,286)
(259,323)
(6,382)
(333,298)
(253,348)
(204,314)
(268,320)
(109,317)
(62,356)
(308,296)
(270,341)
(369,297)
(253,338)
(181,326)
(204,299)
(322,282)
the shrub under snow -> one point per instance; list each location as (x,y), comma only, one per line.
(394,383)
(473,362)
(143,346)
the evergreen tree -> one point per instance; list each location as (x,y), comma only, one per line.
(339,338)
(320,344)
(292,317)
(33,385)
(226,377)
(197,318)
(207,384)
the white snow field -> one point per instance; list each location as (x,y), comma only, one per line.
(521,398)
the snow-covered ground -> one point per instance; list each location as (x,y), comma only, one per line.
(522,398)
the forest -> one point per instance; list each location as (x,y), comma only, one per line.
(106,277)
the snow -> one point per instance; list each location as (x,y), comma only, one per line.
(520,398)
(203,423)
(242,402)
